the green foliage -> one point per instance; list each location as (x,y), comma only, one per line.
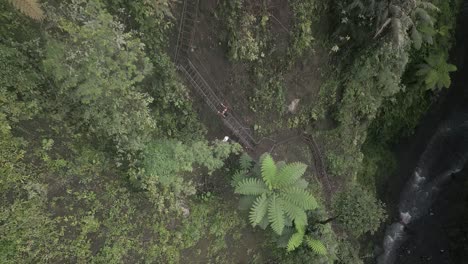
(19,82)
(245,161)
(276,215)
(96,68)
(436,72)
(243,31)
(317,246)
(399,116)
(31,8)
(302,37)
(251,186)
(378,165)
(358,211)
(281,197)
(348,253)
(259,209)
(165,161)
(295,241)
(323,246)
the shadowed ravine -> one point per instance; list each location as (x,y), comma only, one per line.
(433,172)
(445,155)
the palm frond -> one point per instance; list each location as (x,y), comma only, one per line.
(31,8)
(300,197)
(316,245)
(268,170)
(251,186)
(290,173)
(276,214)
(258,210)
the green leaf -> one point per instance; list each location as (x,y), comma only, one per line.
(258,210)
(276,214)
(290,173)
(316,245)
(268,170)
(251,186)
(295,241)
(299,197)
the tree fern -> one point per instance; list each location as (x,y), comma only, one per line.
(316,245)
(258,210)
(276,214)
(300,197)
(277,196)
(290,173)
(31,8)
(251,186)
(268,170)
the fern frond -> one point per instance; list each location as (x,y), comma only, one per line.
(295,241)
(316,245)
(245,162)
(31,8)
(290,173)
(268,170)
(299,197)
(238,177)
(296,213)
(276,214)
(251,186)
(258,210)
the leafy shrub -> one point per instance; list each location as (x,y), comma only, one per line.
(302,37)
(358,211)
(31,8)
(97,67)
(165,162)
(278,195)
(436,72)
(243,40)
